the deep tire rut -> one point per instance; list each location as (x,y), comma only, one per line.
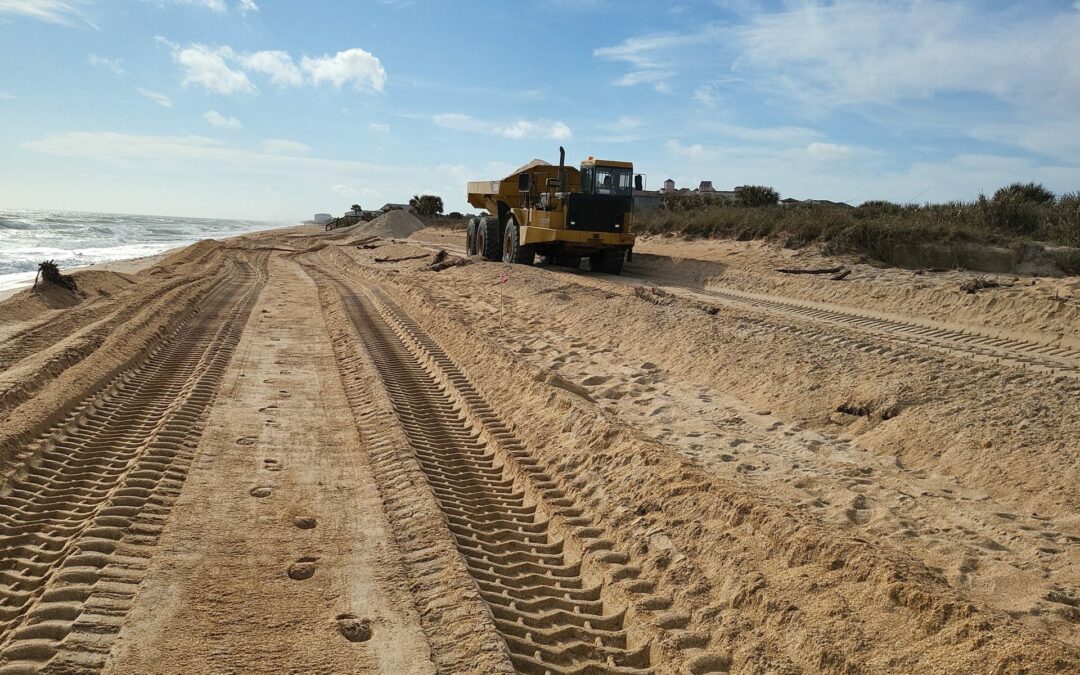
(551,619)
(78,524)
(1022,353)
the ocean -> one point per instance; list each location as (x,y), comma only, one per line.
(75,239)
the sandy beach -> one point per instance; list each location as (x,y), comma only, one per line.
(299,451)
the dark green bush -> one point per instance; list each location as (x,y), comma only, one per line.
(756,195)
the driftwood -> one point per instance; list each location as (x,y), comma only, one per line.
(439,257)
(818,270)
(393,260)
(369,246)
(977,284)
(446,264)
(50,274)
(841,276)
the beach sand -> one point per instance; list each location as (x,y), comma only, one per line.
(338,459)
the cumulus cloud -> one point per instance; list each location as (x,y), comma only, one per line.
(280,146)
(705,95)
(277,65)
(828,151)
(115,65)
(246,6)
(219,121)
(356,65)
(517,129)
(208,67)
(223,70)
(156,96)
(695,151)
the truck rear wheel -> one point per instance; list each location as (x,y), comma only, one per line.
(488,243)
(470,236)
(568,260)
(513,250)
(608,260)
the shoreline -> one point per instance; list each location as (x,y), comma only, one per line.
(138,264)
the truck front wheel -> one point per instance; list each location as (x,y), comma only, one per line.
(470,236)
(513,250)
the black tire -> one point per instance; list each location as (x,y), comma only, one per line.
(609,261)
(568,260)
(488,242)
(470,236)
(513,251)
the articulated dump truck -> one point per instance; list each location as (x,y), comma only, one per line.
(558,212)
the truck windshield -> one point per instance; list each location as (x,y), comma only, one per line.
(613,181)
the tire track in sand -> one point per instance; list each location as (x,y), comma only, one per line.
(551,618)
(1045,357)
(78,524)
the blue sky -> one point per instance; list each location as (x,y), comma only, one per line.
(276,110)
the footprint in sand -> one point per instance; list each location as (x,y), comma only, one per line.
(596,380)
(354,629)
(304,568)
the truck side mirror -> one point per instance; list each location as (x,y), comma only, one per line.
(638,183)
(523,182)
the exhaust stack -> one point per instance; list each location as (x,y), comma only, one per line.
(562,169)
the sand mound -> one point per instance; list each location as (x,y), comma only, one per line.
(390,225)
(31,303)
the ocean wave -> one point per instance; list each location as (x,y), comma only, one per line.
(78,239)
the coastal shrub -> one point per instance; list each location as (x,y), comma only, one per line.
(1024,193)
(883,230)
(756,195)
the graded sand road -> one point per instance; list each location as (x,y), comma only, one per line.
(304,452)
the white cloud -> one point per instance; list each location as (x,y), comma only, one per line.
(517,130)
(6,96)
(115,65)
(278,65)
(280,146)
(222,70)
(156,96)
(654,59)
(50,11)
(828,151)
(846,53)
(529,129)
(207,67)
(344,190)
(219,121)
(460,122)
(695,151)
(246,6)
(361,68)
(379,127)
(212,5)
(706,95)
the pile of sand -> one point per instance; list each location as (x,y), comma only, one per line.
(391,225)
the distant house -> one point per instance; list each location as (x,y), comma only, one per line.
(669,186)
(323,218)
(396,207)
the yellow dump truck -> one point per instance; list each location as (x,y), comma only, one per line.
(558,212)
